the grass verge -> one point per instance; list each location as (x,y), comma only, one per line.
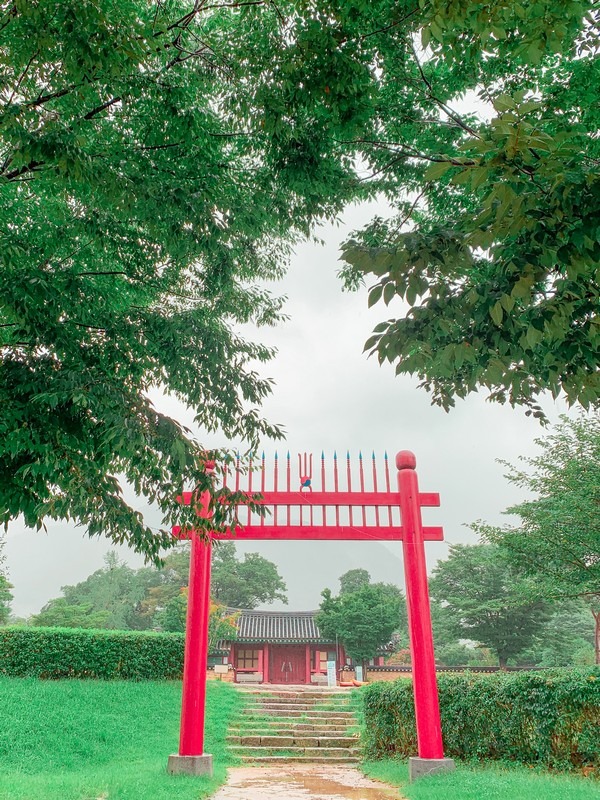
(97,740)
(474,782)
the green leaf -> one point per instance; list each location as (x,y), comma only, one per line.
(375,294)
(389,293)
(496,313)
(437,170)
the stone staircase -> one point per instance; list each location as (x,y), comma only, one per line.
(295,726)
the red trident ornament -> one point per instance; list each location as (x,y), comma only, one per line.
(306,473)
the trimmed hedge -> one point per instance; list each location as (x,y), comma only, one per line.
(551,718)
(78,653)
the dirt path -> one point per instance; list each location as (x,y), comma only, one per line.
(287,782)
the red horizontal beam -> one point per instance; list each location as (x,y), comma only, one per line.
(324,533)
(332,499)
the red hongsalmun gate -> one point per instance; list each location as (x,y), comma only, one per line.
(331,513)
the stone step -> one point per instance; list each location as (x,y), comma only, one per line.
(295,727)
(291,712)
(294,700)
(293,759)
(273,730)
(281,742)
(257,720)
(302,707)
(325,692)
(254,751)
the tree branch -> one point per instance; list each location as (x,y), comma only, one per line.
(445,108)
(22,77)
(22,170)
(47,97)
(101,108)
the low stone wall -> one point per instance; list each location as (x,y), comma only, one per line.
(375,674)
(228,676)
(392,673)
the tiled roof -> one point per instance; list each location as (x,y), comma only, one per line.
(278,626)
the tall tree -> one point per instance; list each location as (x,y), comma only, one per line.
(363,620)
(222,623)
(5,590)
(557,540)
(108,598)
(485,600)
(495,243)
(247,583)
(165,587)
(565,640)
(157,160)
(60,613)
(353,580)
(117,596)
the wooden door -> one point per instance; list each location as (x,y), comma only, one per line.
(288,664)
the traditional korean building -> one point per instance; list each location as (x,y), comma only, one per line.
(279,647)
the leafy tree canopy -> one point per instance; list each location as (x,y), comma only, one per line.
(109,598)
(363,620)
(556,542)
(484,600)
(353,580)
(247,583)
(157,160)
(60,613)
(495,244)
(565,640)
(222,623)
(5,589)
(117,596)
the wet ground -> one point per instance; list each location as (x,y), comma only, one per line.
(287,782)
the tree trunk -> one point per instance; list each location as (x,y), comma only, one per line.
(597,635)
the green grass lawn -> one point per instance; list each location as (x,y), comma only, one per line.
(95,740)
(485,783)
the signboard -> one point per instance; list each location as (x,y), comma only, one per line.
(331,676)
(358,673)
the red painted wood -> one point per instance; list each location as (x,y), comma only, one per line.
(427,711)
(288,663)
(288,498)
(191,739)
(307,663)
(326,532)
(321,533)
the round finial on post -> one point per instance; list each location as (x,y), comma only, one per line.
(406,459)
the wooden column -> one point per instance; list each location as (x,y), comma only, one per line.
(196,651)
(427,711)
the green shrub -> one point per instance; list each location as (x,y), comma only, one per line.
(550,718)
(78,653)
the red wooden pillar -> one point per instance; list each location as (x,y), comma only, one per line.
(191,741)
(266,657)
(307,655)
(427,711)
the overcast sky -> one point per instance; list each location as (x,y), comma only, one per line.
(328,396)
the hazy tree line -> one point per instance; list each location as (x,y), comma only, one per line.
(119,597)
